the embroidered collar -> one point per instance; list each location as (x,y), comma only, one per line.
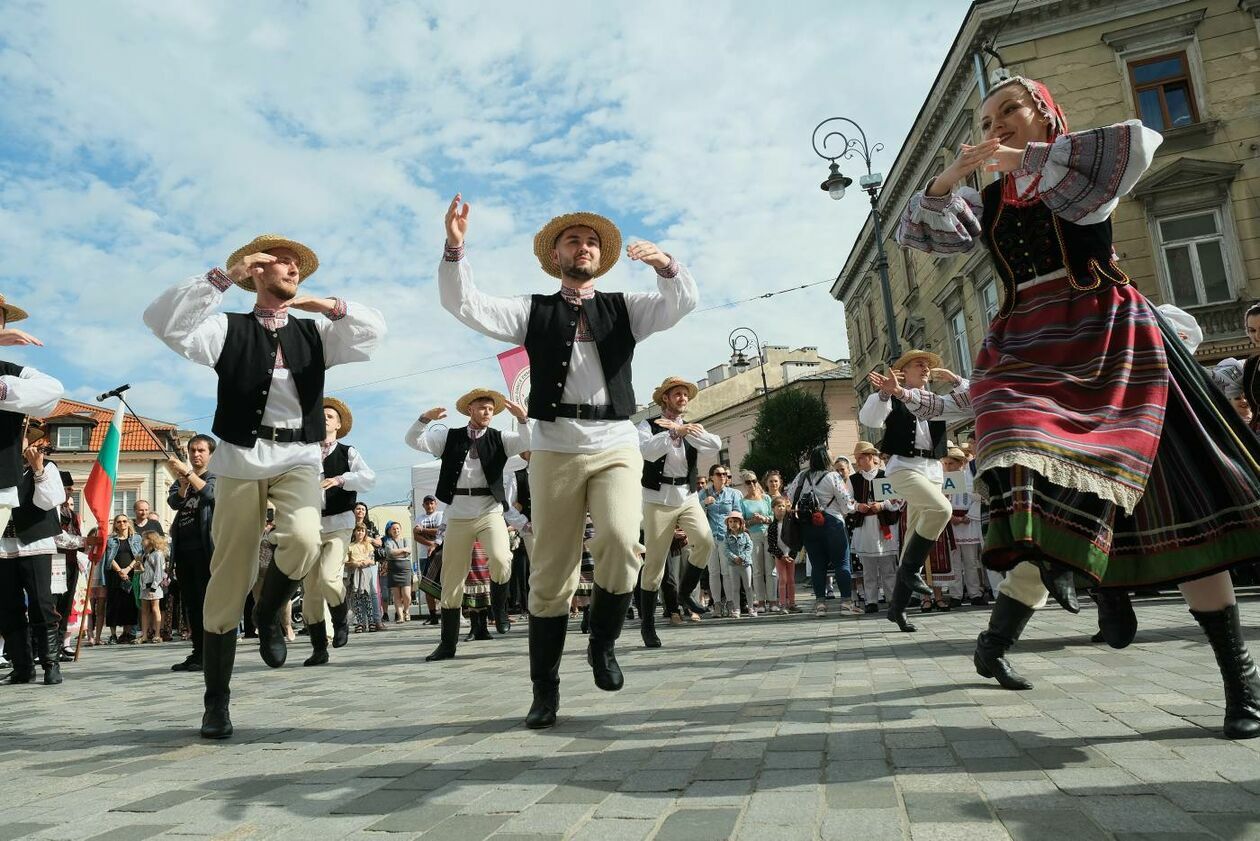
(576,296)
(273,318)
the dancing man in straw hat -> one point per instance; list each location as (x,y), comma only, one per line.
(270,421)
(670,448)
(875,525)
(344,474)
(916,447)
(585,451)
(471,485)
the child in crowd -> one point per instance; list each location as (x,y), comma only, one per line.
(739,550)
(361,567)
(784,563)
(153,583)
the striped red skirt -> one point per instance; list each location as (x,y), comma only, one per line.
(477,583)
(1103,445)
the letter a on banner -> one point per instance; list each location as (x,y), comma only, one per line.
(515,366)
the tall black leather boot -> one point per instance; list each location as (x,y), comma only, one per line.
(481,625)
(910,567)
(546,647)
(647,619)
(450,635)
(498,602)
(1238,671)
(49,655)
(318,633)
(340,617)
(689,579)
(608,615)
(218,655)
(277,591)
(17,643)
(1060,580)
(1117,623)
(1006,623)
(898,601)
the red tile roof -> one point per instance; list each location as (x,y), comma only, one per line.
(134,439)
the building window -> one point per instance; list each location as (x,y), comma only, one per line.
(870,320)
(1194,259)
(70,437)
(958,339)
(989,299)
(912,282)
(1163,91)
(125,502)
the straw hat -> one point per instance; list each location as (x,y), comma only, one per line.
(609,240)
(933,360)
(954,452)
(863,448)
(670,383)
(463,404)
(11,313)
(307,261)
(343,411)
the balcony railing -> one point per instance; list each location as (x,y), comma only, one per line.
(1221,321)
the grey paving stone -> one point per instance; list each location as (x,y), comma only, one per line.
(10,831)
(612,829)
(133,832)
(870,794)
(945,807)
(698,825)
(1050,825)
(158,802)
(465,828)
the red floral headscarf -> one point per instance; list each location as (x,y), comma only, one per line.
(1043,101)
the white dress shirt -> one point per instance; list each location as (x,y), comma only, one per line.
(49,494)
(428,438)
(359,478)
(664,443)
(31,393)
(185,318)
(831,490)
(516,519)
(507,319)
(875,411)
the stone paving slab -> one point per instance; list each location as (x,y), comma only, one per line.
(779,727)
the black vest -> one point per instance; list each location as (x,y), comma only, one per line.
(549,342)
(29,522)
(493,458)
(338,500)
(522,492)
(11,443)
(1030,241)
(862,490)
(653,471)
(900,429)
(245,368)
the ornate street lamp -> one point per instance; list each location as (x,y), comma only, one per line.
(740,340)
(837,183)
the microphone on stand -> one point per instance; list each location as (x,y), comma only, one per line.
(101,398)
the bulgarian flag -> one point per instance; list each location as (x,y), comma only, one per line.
(98,493)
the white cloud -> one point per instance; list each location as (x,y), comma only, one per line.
(145,141)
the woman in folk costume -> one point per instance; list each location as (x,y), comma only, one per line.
(477,594)
(1089,411)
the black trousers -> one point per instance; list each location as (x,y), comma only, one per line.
(192,568)
(65,601)
(518,586)
(24,584)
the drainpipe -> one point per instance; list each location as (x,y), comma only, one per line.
(978,60)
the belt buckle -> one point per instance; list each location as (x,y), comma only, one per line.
(275,434)
(582,410)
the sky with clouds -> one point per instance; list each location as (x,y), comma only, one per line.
(141,142)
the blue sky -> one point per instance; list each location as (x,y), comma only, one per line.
(141,142)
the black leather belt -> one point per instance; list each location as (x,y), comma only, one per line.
(585,411)
(673,480)
(280,436)
(472,492)
(916,453)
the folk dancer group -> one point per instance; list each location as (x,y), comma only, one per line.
(1088,409)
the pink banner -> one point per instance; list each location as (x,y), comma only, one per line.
(515,365)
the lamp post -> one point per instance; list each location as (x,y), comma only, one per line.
(835,186)
(740,340)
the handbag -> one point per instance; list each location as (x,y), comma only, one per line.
(790,528)
(431,582)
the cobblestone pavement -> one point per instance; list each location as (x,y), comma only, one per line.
(773,728)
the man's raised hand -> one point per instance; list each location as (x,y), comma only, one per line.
(648,253)
(11,336)
(457,221)
(516,410)
(437,413)
(251,265)
(309,303)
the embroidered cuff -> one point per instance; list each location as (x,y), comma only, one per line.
(453,253)
(1035,157)
(338,310)
(218,279)
(4,390)
(340,480)
(935,204)
(669,271)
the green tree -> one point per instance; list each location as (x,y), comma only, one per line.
(789,425)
